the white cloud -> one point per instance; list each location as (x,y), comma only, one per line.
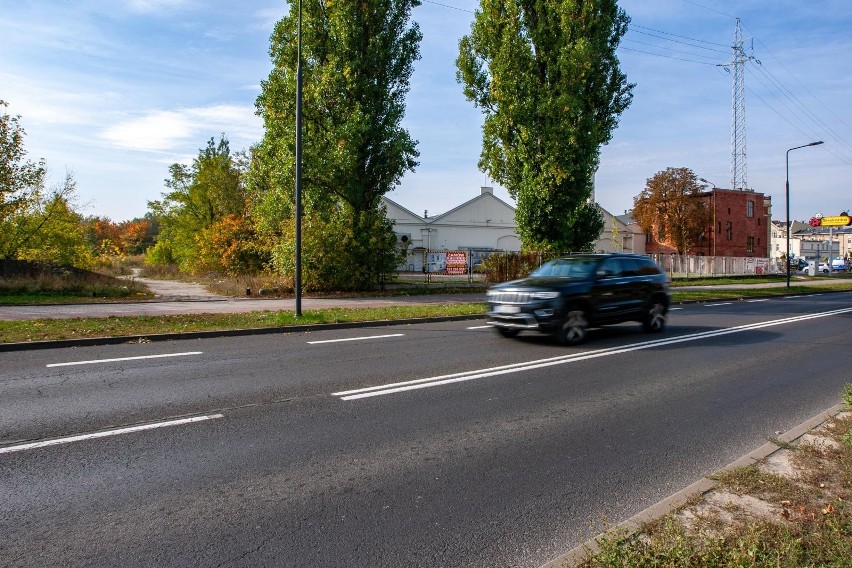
(167,130)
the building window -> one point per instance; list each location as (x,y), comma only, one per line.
(649,238)
(750,244)
(729,230)
(719,228)
(750,208)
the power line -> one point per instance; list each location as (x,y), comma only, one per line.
(679,36)
(448,6)
(710,9)
(671,49)
(666,56)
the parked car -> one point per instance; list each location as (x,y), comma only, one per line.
(568,295)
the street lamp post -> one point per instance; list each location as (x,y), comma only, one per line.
(787,254)
(297,280)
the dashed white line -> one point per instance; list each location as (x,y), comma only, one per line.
(403,386)
(481,327)
(355,338)
(107,433)
(758,300)
(94,361)
(714,305)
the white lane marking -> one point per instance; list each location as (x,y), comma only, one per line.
(759,300)
(355,338)
(481,327)
(540,363)
(714,305)
(106,433)
(94,361)
(671,309)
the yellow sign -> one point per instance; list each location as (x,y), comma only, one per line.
(838,221)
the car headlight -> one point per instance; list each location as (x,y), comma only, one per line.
(544,295)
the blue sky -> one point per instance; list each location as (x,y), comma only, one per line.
(116,91)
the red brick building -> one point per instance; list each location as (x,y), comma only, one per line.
(739,224)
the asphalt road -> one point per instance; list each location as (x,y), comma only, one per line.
(465,449)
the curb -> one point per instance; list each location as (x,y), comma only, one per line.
(93,341)
(631,526)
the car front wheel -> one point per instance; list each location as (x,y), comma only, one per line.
(506,332)
(655,317)
(575,327)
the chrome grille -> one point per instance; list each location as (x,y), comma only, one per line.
(511,298)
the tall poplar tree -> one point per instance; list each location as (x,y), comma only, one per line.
(358,57)
(546,76)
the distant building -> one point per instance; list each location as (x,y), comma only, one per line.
(814,242)
(779,238)
(479,227)
(620,233)
(483,225)
(739,224)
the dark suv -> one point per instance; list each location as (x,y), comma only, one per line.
(568,295)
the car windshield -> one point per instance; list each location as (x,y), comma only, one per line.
(565,268)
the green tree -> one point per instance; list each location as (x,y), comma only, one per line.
(34,219)
(200,196)
(55,233)
(546,76)
(358,58)
(671,207)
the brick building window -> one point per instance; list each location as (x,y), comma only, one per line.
(750,208)
(729,230)
(750,244)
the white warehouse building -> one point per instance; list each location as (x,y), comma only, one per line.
(480,226)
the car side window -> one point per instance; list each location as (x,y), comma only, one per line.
(612,267)
(631,266)
(647,268)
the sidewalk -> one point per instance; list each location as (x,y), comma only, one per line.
(173,298)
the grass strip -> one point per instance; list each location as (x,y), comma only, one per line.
(75,328)
(116,326)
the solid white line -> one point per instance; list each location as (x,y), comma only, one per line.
(355,338)
(481,327)
(106,433)
(124,359)
(541,363)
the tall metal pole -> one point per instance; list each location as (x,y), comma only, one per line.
(787,191)
(298,277)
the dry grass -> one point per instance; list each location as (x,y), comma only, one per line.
(792,510)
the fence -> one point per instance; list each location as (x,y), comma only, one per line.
(501,266)
(699,266)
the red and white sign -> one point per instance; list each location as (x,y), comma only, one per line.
(456,262)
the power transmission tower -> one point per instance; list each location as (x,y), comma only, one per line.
(739,170)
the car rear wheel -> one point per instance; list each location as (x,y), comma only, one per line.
(655,317)
(575,326)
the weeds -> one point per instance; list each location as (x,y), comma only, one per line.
(806,521)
